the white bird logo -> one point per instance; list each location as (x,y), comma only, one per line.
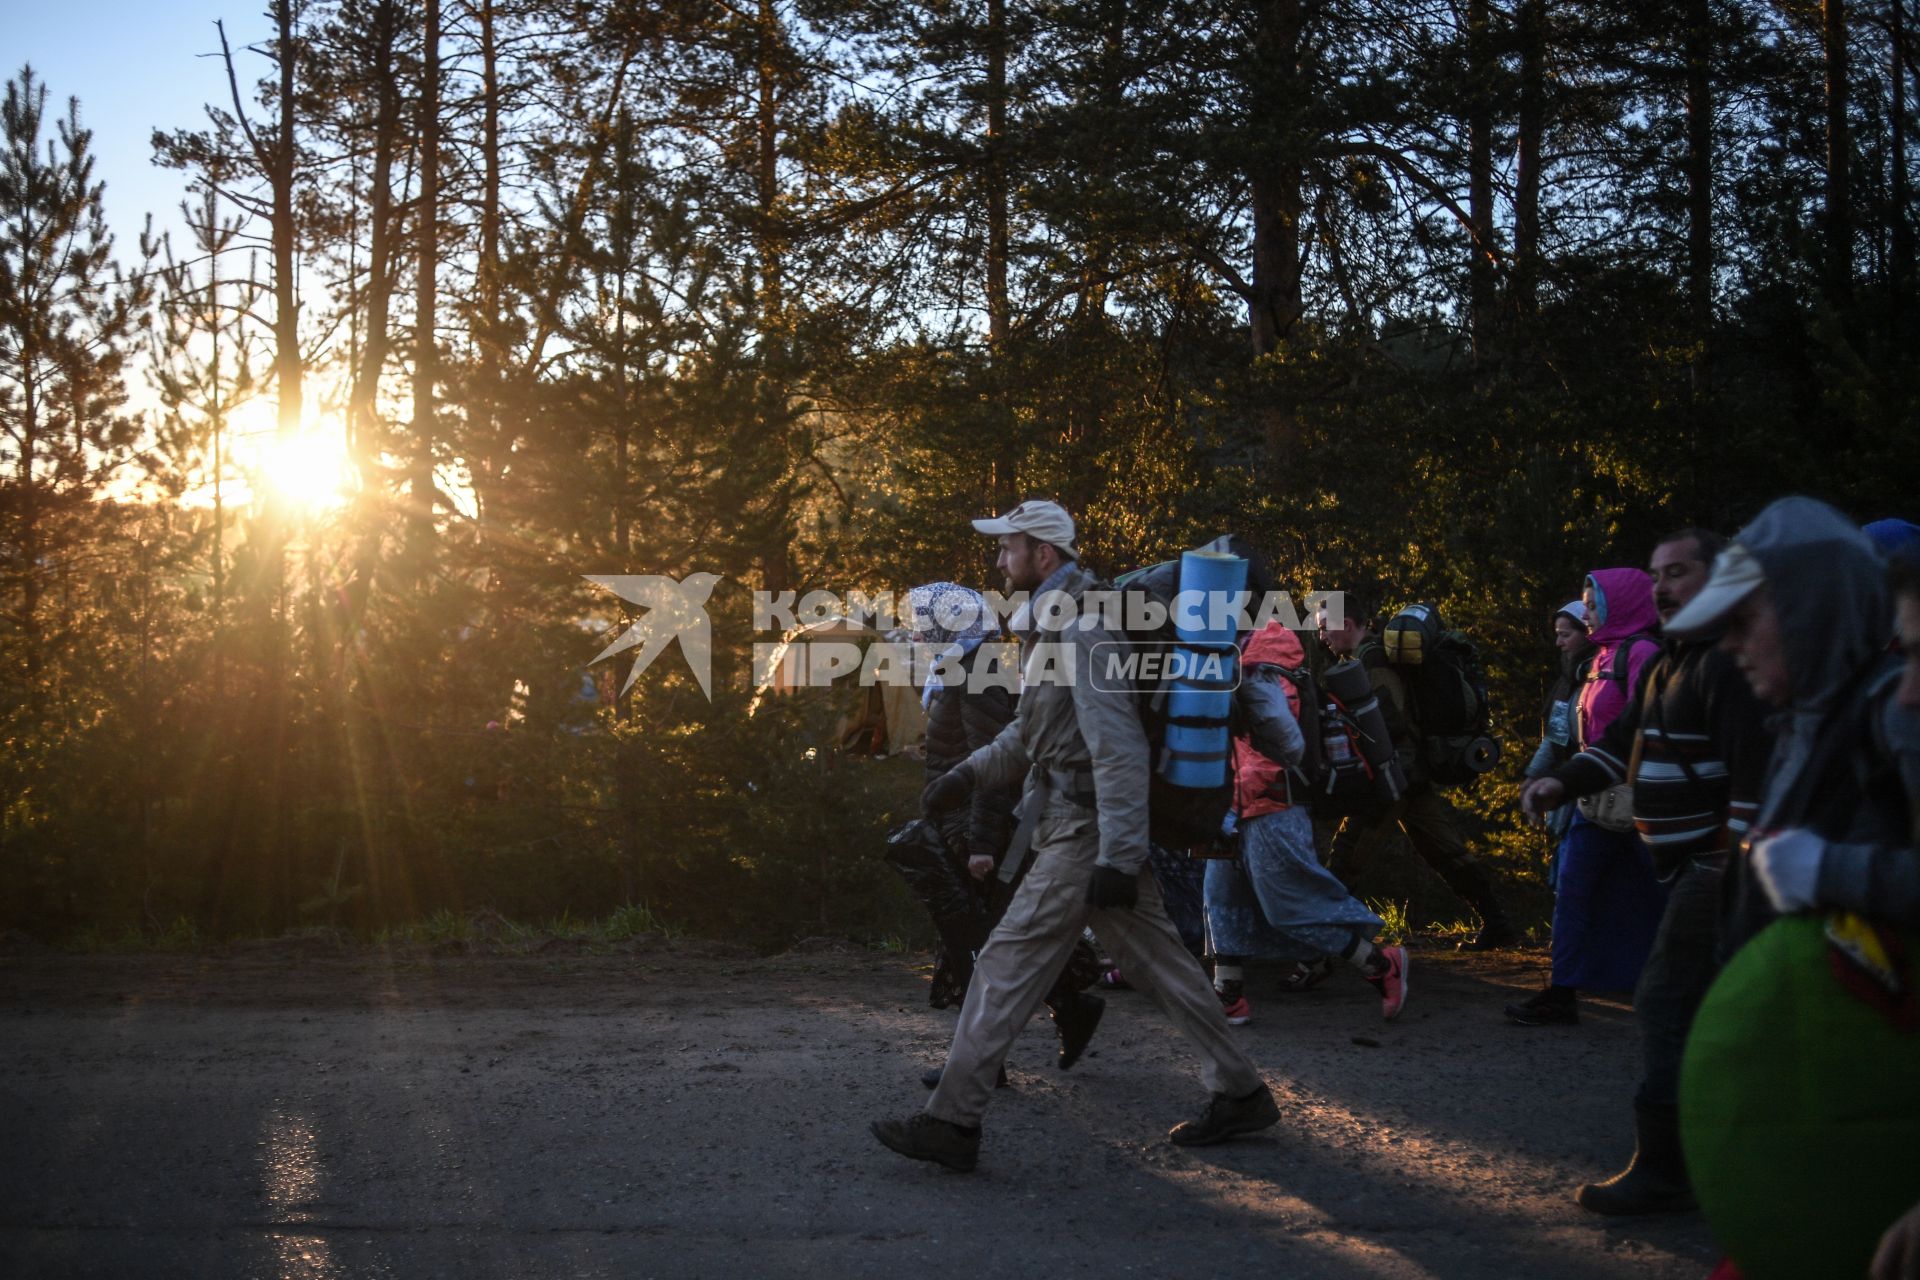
(674,611)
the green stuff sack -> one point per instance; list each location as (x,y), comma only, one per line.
(1800,1096)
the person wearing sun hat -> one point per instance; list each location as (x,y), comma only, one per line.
(1084,755)
(1038,519)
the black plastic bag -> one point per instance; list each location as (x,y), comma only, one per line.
(919,853)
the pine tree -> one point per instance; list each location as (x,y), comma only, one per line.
(202,358)
(68,322)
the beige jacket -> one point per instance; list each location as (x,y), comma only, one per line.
(1065,723)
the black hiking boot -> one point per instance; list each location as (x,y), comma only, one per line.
(1228,1118)
(1655,1180)
(1547,1009)
(1472,883)
(1074,1018)
(924,1137)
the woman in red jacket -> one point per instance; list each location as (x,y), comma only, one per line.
(1276,900)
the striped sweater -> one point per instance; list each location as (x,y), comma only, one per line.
(1695,712)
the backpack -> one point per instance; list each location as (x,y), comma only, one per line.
(1180,816)
(1447,686)
(1620,670)
(1333,777)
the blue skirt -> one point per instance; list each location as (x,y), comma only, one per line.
(1180,892)
(1277,902)
(1606,908)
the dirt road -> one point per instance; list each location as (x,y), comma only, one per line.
(687,1113)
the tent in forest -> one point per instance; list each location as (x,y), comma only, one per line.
(876,720)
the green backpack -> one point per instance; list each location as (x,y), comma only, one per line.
(1798,1111)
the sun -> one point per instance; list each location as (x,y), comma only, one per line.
(308,469)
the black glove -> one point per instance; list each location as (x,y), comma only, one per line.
(1110,888)
(949,790)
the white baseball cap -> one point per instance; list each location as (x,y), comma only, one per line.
(1736,575)
(1038,519)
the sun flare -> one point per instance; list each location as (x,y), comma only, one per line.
(308,469)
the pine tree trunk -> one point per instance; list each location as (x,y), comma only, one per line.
(623,416)
(1900,273)
(273,157)
(1274,297)
(487,282)
(31,646)
(1275,186)
(1276,303)
(1532,20)
(775,564)
(381,258)
(288,368)
(218,426)
(1481,281)
(767,177)
(1839,157)
(1699,53)
(426,279)
(1004,482)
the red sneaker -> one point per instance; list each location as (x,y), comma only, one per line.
(1392,981)
(1239,1012)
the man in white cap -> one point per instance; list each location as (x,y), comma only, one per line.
(1084,755)
(1800,600)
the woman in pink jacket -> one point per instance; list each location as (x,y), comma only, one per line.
(1608,900)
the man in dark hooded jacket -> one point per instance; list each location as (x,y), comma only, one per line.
(1805,610)
(1803,601)
(1428,819)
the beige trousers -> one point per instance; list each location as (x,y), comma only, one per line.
(1029,947)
